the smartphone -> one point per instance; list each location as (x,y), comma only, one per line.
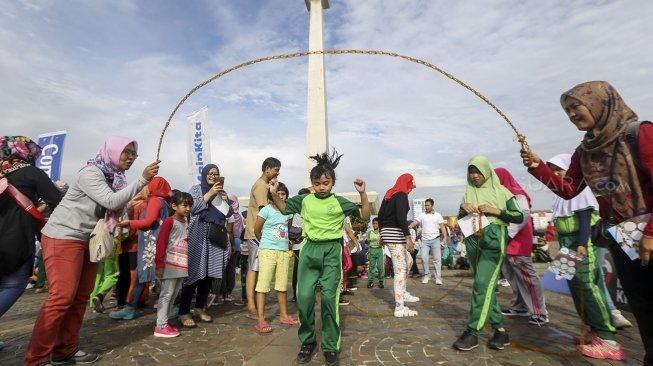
(220,181)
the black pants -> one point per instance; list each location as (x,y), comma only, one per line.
(414,270)
(126,264)
(229,276)
(294,273)
(637,283)
(203,287)
(244,265)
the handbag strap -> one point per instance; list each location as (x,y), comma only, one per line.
(23,201)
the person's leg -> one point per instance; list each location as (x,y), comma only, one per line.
(437,259)
(294,273)
(187,293)
(203,289)
(427,246)
(530,286)
(309,271)
(380,260)
(252,273)
(165,297)
(399,264)
(330,295)
(13,285)
(281,282)
(373,264)
(124,278)
(230,278)
(41,276)
(636,281)
(244,265)
(71,276)
(267,267)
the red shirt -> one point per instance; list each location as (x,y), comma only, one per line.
(573,183)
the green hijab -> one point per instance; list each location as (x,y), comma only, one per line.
(491,192)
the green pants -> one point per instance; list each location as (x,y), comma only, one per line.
(587,284)
(320,261)
(41,276)
(486,267)
(376,259)
(106,276)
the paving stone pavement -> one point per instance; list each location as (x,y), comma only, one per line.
(371,335)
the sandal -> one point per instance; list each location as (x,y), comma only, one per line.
(288,321)
(263,328)
(202,317)
(187,321)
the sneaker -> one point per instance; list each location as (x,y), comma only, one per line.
(96,304)
(166,332)
(352,288)
(79,357)
(381,285)
(347,292)
(343,302)
(410,298)
(603,350)
(404,312)
(331,358)
(467,341)
(510,312)
(370,284)
(619,321)
(438,281)
(113,295)
(243,302)
(504,283)
(126,313)
(306,353)
(425,279)
(229,298)
(538,319)
(499,340)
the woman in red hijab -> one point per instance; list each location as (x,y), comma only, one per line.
(395,234)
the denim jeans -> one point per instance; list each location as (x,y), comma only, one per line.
(431,247)
(13,285)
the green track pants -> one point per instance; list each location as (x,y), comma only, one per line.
(376,259)
(321,261)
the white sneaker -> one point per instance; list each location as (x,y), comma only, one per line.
(404,312)
(410,298)
(504,283)
(438,281)
(425,279)
(619,321)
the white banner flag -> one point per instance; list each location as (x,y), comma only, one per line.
(199,148)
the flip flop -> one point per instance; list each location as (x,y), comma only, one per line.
(288,321)
(202,317)
(187,321)
(263,328)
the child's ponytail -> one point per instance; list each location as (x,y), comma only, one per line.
(326,165)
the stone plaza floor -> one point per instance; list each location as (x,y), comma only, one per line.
(371,335)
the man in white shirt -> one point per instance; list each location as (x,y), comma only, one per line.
(433,233)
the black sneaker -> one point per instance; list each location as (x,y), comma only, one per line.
(347,293)
(306,353)
(370,284)
(79,358)
(331,358)
(510,312)
(467,341)
(499,340)
(381,285)
(538,320)
(343,302)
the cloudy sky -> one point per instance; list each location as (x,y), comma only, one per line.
(101,68)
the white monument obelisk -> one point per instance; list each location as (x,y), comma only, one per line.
(317,134)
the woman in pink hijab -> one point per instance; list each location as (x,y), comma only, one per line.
(100,190)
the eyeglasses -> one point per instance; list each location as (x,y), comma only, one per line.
(213,175)
(130,153)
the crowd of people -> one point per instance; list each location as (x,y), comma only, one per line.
(182,246)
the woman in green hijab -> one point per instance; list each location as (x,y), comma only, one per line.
(485,196)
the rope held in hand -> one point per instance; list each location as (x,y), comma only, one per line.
(520,138)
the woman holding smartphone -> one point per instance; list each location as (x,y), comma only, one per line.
(206,260)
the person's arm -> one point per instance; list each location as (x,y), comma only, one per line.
(153,211)
(46,190)
(512,214)
(444,232)
(514,229)
(162,244)
(401,207)
(415,222)
(584,229)
(567,188)
(92,182)
(365,204)
(230,235)
(351,235)
(645,147)
(258,227)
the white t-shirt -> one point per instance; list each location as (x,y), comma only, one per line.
(430,224)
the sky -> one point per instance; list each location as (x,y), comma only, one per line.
(103,68)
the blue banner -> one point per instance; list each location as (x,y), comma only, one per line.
(52,153)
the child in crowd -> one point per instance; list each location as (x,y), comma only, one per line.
(271,229)
(572,220)
(375,255)
(172,261)
(321,256)
(486,249)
